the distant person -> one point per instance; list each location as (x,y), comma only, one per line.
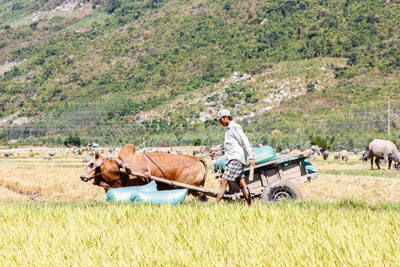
(235,145)
(314,154)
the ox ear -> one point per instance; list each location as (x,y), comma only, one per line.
(96,155)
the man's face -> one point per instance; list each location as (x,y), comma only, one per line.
(224,121)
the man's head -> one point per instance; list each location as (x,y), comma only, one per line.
(224,117)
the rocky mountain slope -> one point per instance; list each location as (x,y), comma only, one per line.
(152,71)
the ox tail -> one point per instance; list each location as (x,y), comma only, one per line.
(205,171)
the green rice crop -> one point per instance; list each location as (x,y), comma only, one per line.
(347,233)
(358,172)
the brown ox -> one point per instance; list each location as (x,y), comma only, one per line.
(180,168)
(106,173)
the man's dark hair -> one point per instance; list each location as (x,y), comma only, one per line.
(229,117)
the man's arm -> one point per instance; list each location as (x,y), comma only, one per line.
(243,140)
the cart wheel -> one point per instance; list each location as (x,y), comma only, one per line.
(281,191)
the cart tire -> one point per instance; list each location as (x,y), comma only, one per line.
(281,191)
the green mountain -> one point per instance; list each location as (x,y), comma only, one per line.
(153,71)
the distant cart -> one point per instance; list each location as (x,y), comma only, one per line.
(276,180)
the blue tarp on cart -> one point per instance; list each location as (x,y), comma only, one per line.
(262,155)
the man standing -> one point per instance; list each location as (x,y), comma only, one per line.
(236,144)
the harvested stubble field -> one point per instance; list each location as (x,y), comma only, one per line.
(349,217)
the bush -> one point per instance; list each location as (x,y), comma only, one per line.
(72,140)
(320,141)
(112,5)
(197,142)
(276,133)
(310,88)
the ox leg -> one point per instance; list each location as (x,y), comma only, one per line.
(105,186)
(377,163)
(372,162)
(390,163)
(199,196)
(385,157)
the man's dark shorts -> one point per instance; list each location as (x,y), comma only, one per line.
(234,171)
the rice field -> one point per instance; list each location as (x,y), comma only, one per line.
(197,234)
(349,217)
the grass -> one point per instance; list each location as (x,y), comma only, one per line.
(372,173)
(197,234)
(87,21)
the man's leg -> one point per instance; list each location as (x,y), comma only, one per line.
(222,189)
(246,192)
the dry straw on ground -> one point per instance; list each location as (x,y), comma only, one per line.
(33,179)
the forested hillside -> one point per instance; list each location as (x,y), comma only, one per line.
(117,71)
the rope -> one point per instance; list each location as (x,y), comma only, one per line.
(147,156)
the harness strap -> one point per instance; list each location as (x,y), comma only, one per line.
(147,167)
(146,157)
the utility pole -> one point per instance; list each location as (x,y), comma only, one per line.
(389,116)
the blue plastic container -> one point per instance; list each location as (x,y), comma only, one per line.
(173,197)
(124,194)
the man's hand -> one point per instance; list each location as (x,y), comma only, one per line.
(252,162)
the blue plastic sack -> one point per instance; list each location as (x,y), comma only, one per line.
(262,154)
(310,168)
(124,194)
(173,197)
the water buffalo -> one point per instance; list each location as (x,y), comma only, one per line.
(336,156)
(180,168)
(325,154)
(386,150)
(86,159)
(344,155)
(47,157)
(365,156)
(8,154)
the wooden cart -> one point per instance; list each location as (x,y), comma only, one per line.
(272,181)
(276,180)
